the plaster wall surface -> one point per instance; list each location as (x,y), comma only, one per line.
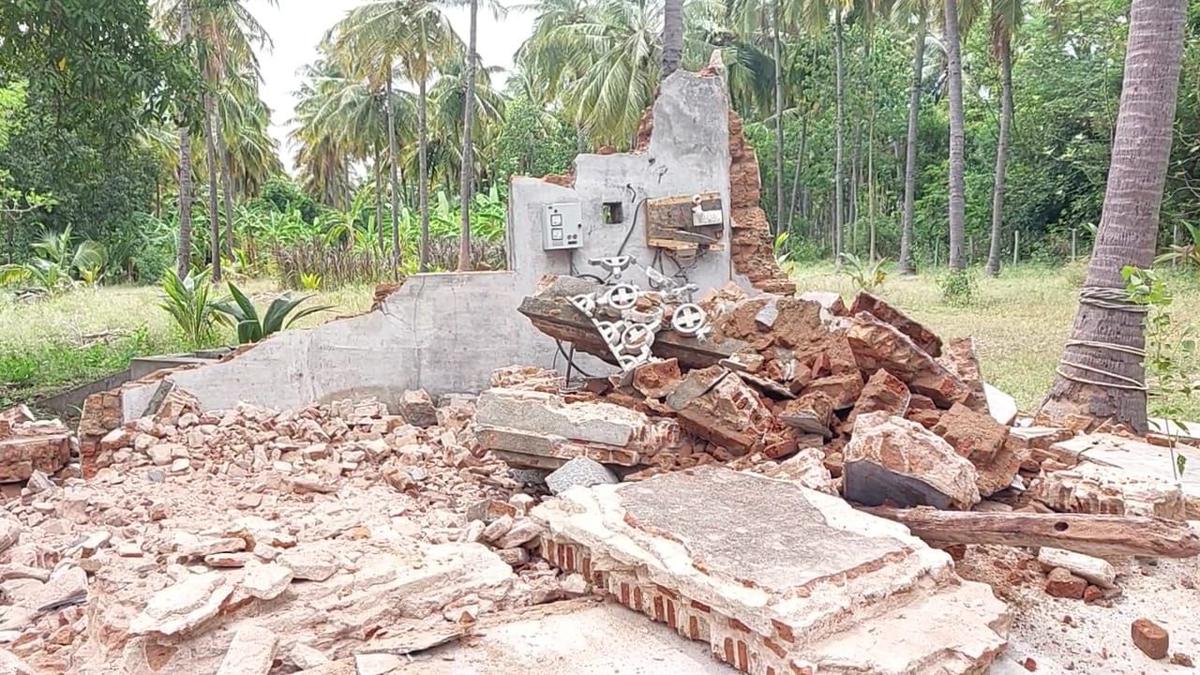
(447,332)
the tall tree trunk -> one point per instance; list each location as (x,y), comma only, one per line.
(214,214)
(672,36)
(226,184)
(871,179)
(910,149)
(958,162)
(796,171)
(378,171)
(839,169)
(468,149)
(423,170)
(1101,367)
(778,54)
(1004,49)
(394,169)
(183,263)
(855,177)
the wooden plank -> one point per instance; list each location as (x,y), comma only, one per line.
(669,222)
(1097,535)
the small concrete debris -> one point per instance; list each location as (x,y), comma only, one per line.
(29,446)
(580,471)
(1095,570)
(1060,583)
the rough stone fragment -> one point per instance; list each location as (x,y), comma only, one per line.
(657,378)
(306,656)
(10,533)
(1060,583)
(416,407)
(718,406)
(183,606)
(488,510)
(892,460)
(959,358)
(522,532)
(811,413)
(980,439)
(309,565)
(1152,639)
(579,471)
(266,581)
(843,389)
(497,528)
(1001,406)
(925,339)
(810,585)
(879,345)
(11,664)
(883,392)
(1096,570)
(252,652)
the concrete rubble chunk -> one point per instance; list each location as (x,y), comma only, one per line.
(715,404)
(1060,583)
(883,392)
(183,606)
(28,446)
(811,413)
(11,664)
(266,581)
(982,440)
(305,656)
(416,407)
(657,378)
(580,471)
(924,338)
(309,564)
(252,652)
(892,460)
(959,358)
(880,345)
(1001,406)
(1095,570)
(809,586)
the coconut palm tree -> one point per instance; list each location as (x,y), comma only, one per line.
(672,36)
(920,10)
(183,264)
(381,38)
(958,143)
(1101,374)
(1006,16)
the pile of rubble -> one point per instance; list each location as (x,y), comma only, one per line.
(230,541)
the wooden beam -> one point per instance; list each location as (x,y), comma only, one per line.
(1097,535)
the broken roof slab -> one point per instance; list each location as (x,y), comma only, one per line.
(778,589)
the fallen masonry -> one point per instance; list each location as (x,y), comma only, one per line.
(820,587)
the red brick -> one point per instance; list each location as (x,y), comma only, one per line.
(1062,584)
(1151,638)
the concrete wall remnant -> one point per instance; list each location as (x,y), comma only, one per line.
(447,332)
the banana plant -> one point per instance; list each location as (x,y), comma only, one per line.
(51,271)
(281,314)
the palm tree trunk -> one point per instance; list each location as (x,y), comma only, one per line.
(910,150)
(1104,356)
(378,171)
(958,164)
(855,178)
(871,179)
(183,263)
(214,218)
(468,149)
(796,171)
(423,170)
(393,152)
(778,54)
(1006,116)
(839,170)
(226,181)
(672,36)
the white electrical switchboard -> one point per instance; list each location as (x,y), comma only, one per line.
(562,226)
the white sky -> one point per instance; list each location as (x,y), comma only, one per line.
(297,26)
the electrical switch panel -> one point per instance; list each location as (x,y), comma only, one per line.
(562,226)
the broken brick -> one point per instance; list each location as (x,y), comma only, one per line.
(981,439)
(880,345)
(883,392)
(1152,639)
(1060,583)
(810,413)
(959,357)
(657,378)
(924,338)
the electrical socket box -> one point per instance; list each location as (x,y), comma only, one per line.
(562,226)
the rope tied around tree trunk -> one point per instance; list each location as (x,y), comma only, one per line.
(1116,300)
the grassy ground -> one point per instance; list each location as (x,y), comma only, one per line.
(49,346)
(1019,321)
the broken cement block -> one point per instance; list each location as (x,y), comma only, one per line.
(416,407)
(1001,406)
(36,446)
(843,389)
(925,339)
(811,413)
(1095,570)
(266,581)
(718,406)
(657,378)
(981,440)
(883,392)
(183,606)
(959,358)
(879,345)
(892,460)
(251,653)
(810,585)
(579,471)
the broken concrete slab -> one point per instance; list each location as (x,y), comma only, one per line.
(183,606)
(921,336)
(576,636)
(784,593)
(716,405)
(1095,570)
(252,652)
(1107,473)
(893,460)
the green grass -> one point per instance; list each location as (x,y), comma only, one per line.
(1019,320)
(52,345)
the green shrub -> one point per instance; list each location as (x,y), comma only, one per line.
(959,288)
(190,304)
(282,313)
(866,275)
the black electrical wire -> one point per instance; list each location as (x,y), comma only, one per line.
(637,210)
(571,359)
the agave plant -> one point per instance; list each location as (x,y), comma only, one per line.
(190,304)
(282,313)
